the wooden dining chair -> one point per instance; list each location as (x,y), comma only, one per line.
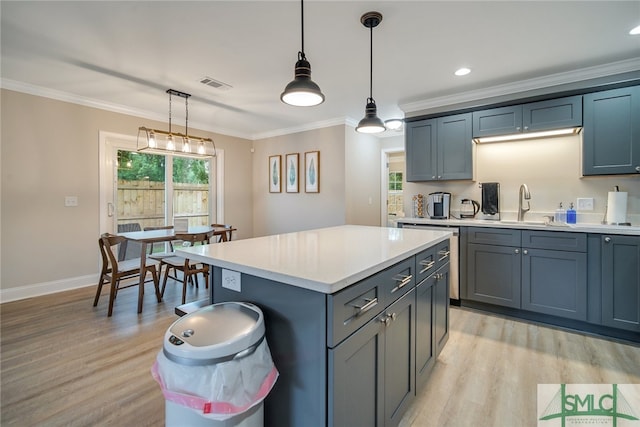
(114,271)
(189,268)
(158,256)
(227,235)
(129,250)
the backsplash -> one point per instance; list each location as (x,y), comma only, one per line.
(551,168)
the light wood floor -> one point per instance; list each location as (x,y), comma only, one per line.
(64,363)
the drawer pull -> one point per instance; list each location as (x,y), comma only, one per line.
(443,254)
(404,280)
(428,265)
(361,309)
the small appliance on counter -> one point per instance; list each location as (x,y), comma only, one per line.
(490,200)
(469,208)
(438,205)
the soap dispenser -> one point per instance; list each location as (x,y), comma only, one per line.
(571,214)
(561,215)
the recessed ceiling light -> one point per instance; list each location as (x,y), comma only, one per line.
(635,31)
(462,72)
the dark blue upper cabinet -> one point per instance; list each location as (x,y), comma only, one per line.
(532,117)
(420,150)
(611,132)
(552,114)
(439,149)
(497,121)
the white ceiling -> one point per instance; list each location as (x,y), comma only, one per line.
(124,55)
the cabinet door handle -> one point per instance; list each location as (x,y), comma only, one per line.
(518,128)
(526,128)
(607,239)
(361,309)
(404,280)
(517,251)
(637,168)
(433,177)
(525,252)
(428,265)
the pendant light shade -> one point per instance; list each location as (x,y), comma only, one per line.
(302,91)
(371,123)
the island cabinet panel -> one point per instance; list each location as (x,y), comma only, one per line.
(621,282)
(354,306)
(296,332)
(441,309)
(425,336)
(372,373)
(611,132)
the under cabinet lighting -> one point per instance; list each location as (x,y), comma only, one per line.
(635,31)
(529,135)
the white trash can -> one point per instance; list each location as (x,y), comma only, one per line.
(215,367)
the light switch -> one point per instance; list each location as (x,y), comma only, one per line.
(231,280)
(71,200)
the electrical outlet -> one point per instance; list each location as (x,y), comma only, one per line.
(231,280)
(584,204)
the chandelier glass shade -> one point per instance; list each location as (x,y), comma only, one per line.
(175,143)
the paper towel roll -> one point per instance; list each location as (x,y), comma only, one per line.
(617,207)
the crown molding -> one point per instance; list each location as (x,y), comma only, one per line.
(101,105)
(525,85)
(302,128)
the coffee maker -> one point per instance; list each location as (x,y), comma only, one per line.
(438,205)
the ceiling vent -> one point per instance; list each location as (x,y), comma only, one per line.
(215,83)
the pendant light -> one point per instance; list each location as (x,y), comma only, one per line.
(302,91)
(371,122)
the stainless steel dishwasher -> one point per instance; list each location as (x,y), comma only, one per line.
(454,284)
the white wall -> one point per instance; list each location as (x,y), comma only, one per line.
(49,151)
(552,170)
(362,178)
(284,212)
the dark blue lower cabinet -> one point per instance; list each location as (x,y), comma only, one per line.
(621,282)
(493,274)
(441,309)
(372,373)
(555,282)
(425,337)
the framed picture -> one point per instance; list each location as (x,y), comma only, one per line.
(274,174)
(312,171)
(292,163)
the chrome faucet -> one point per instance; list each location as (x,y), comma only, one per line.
(523,194)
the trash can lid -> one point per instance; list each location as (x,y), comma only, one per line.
(214,333)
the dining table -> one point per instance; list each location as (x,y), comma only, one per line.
(165,235)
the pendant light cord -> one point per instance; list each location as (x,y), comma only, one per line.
(371,64)
(302,23)
(169,113)
(186,117)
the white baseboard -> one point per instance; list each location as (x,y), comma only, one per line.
(38,289)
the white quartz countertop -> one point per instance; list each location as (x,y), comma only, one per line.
(324,260)
(527,225)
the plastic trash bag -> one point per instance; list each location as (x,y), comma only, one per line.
(218,391)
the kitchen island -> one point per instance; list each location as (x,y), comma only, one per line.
(334,300)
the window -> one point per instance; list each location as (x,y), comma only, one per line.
(394,197)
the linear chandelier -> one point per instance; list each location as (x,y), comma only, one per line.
(175,143)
